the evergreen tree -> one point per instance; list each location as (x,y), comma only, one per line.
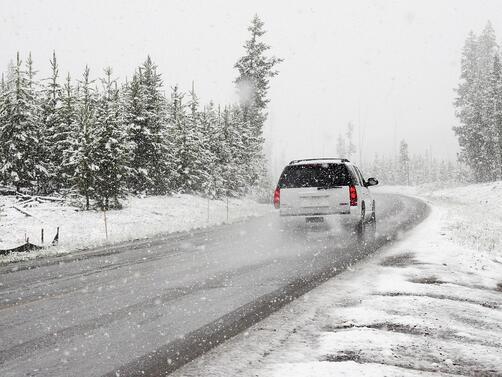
(51,107)
(475,108)
(42,170)
(495,113)
(160,165)
(488,53)
(226,153)
(179,135)
(138,135)
(199,156)
(19,129)
(255,71)
(111,154)
(62,140)
(146,122)
(83,153)
(188,143)
(3,90)
(211,139)
(468,111)
(237,172)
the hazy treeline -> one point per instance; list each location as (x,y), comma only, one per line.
(404,169)
(103,139)
(479,106)
(416,169)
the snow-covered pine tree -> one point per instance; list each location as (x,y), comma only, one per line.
(212,146)
(19,130)
(9,76)
(255,71)
(189,144)
(51,107)
(477,142)
(3,89)
(64,138)
(111,150)
(468,110)
(222,154)
(195,136)
(236,144)
(180,139)
(145,117)
(138,135)
(42,170)
(495,108)
(488,50)
(160,166)
(252,153)
(203,152)
(226,152)
(83,148)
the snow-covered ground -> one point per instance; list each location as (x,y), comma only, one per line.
(141,217)
(428,305)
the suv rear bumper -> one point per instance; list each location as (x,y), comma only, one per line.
(312,213)
(345,218)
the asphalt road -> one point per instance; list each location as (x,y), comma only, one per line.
(148,307)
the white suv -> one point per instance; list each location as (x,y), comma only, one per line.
(316,189)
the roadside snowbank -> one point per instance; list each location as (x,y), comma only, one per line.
(481,203)
(141,217)
(428,305)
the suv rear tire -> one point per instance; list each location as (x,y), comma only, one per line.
(361,227)
(372,225)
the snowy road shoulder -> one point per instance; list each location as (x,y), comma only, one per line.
(427,305)
(140,218)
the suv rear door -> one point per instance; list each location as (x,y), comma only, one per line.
(314,189)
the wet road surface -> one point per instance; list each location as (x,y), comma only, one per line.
(148,307)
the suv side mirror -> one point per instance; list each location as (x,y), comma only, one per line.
(371,182)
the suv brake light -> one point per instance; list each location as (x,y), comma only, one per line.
(353,196)
(277,197)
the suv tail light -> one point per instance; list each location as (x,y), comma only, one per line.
(353,196)
(277,197)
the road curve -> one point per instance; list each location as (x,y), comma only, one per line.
(148,307)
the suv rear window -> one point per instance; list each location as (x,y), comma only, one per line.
(315,175)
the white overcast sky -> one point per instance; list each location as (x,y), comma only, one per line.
(389,67)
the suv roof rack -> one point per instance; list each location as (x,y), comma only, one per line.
(317,159)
